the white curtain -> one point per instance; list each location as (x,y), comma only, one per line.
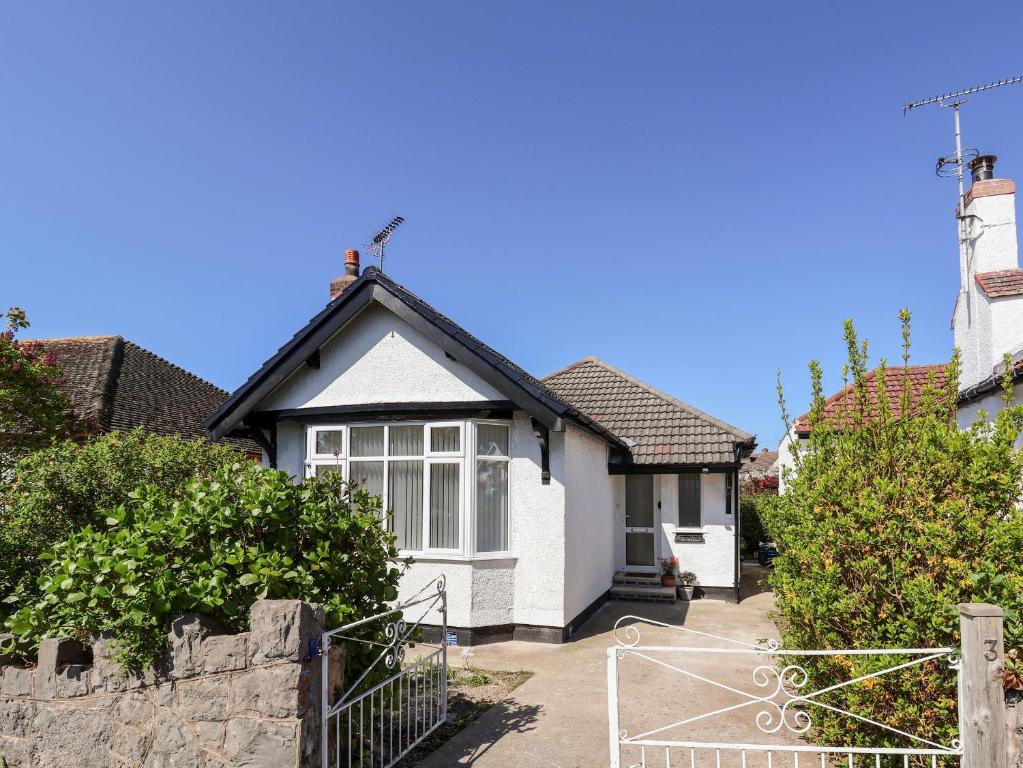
(405,497)
(444,483)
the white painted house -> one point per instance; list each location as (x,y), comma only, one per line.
(987,318)
(536,499)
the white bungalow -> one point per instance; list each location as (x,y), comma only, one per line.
(536,499)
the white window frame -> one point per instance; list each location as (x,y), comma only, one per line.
(475,463)
(465,457)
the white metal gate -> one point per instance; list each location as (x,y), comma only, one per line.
(772,704)
(376,725)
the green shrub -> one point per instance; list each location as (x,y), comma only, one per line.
(752,501)
(34,411)
(887,523)
(64,487)
(215,547)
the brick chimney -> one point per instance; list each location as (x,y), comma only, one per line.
(988,317)
(339,284)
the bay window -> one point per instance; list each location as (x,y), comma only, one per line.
(444,484)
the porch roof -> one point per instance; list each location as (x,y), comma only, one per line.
(660,429)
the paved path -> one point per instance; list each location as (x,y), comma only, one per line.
(558,718)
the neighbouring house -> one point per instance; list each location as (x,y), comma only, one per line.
(536,499)
(763,463)
(987,318)
(114,384)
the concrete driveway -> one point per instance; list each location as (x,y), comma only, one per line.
(559,717)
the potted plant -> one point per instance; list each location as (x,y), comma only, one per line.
(687,579)
(668,567)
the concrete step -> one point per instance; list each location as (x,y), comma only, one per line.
(643,593)
(637,579)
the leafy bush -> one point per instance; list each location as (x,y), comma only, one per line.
(64,487)
(34,411)
(215,547)
(753,496)
(887,523)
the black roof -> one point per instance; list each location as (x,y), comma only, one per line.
(525,390)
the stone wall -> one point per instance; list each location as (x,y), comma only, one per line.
(215,700)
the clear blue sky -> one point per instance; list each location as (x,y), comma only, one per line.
(698,193)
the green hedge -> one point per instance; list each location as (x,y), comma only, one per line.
(60,489)
(214,547)
(886,524)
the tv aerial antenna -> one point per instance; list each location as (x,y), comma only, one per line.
(383,237)
(952,165)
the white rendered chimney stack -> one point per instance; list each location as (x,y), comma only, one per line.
(988,317)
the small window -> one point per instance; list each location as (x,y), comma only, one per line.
(367,441)
(689,501)
(491,488)
(445,439)
(329,442)
(729,493)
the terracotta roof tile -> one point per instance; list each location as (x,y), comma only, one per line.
(659,428)
(919,377)
(1004,282)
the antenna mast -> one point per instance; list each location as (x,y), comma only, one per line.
(955,100)
(381,238)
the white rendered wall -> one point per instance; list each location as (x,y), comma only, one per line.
(786,461)
(379,358)
(537,514)
(713,560)
(990,405)
(590,548)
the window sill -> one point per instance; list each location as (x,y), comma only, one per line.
(432,558)
(696,529)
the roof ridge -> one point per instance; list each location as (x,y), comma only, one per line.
(673,400)
(569,367)
(99,337)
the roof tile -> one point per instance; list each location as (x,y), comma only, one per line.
(1003,282)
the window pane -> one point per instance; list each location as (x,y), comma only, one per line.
(405,498)
(492,506)
(444,505)
(325,469)
(639,501)
(328,442)
(491,440)
(405,441)
(639,549)
(689,501)
(368,474)
(367,441)
(445,440)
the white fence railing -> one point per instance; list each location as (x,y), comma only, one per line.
(375,726)
(762,720)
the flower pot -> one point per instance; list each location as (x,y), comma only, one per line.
(667,581)
(686,592)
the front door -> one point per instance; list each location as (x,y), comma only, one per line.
(640,522)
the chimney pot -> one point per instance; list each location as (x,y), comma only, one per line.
(339,284)
(982,168)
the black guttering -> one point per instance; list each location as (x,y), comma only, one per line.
(523,390)
(988,385)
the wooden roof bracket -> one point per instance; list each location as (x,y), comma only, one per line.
(543,436)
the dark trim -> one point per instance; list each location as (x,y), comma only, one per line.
(667,469)
(738,534)
(586,614)
(991,384)
(313,361)
(533,633)
(458,344)
(728,594)
(543,436)
(482,409)
(302,345)
(267,442)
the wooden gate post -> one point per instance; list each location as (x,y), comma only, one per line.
(981,698)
